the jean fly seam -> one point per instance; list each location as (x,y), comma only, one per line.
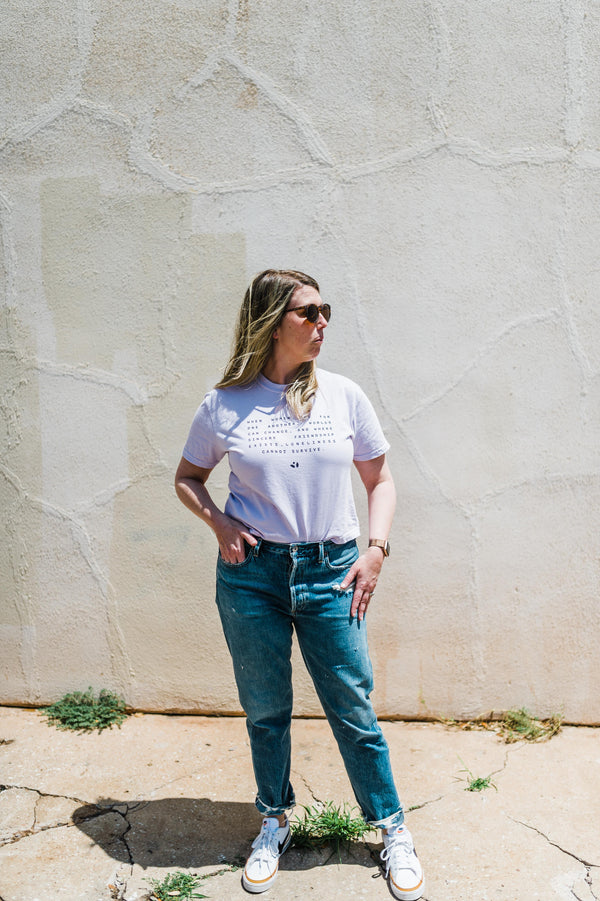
(291,580)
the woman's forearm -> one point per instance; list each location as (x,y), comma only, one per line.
(377,478)
(381,506)
(195,496)
(191,491)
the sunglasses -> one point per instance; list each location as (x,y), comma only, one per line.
(311,312)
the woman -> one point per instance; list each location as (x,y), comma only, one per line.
(288,557)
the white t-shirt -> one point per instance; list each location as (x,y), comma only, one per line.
(290,481)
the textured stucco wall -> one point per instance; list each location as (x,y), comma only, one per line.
(436,165)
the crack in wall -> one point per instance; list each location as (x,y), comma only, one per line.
(573,18)
(440,33)
(149,163)
(83,542)
(550,479)
(482,353)
(9,254)
(137,394)
(65,98)
(567,301)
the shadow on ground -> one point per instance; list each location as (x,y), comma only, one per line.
(187,833)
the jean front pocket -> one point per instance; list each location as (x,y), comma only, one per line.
(249,554)
(339,557)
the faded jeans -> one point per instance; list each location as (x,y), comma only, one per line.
(277,588)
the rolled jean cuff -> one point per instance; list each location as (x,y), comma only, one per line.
(396,819)
(267,811)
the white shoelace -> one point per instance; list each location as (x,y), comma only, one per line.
(399,853)
(266,846)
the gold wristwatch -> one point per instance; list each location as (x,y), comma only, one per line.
(379,542)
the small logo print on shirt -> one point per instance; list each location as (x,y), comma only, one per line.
(294,465)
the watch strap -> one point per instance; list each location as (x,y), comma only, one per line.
(380,542)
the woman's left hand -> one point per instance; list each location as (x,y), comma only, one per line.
(364,573)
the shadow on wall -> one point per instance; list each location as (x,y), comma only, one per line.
(187,833)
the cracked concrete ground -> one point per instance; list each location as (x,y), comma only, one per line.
(93,817)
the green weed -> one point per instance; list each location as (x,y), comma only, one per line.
(328,824)
(519,724)
(182,886)
(82,712)
(477,783)
(513,725)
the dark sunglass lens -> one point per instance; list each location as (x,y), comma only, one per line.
(311,312)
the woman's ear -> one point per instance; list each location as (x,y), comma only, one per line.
(275,334)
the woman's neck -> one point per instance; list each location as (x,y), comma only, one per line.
(279,372)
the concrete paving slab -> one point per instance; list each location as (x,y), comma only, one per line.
(94,817)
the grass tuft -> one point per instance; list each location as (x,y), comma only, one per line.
(477,783)
(513,725)
(328,824)
(519,724)
(82,712)
(180,886)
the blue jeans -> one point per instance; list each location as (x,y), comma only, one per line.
(277,588)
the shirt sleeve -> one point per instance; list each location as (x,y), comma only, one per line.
(369,440)
(204,447)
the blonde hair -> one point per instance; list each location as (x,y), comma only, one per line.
(262,310)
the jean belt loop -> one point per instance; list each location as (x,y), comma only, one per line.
(256,548)
(321,551)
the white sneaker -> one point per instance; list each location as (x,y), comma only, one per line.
(402,865)
(262,866)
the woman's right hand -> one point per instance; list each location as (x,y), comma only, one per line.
(232,536)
